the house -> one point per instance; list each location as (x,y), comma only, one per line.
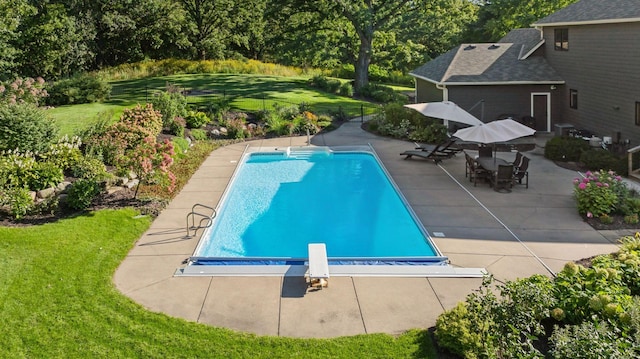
(578,66)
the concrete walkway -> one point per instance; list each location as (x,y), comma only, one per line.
(512,235)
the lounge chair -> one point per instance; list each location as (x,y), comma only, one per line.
(436,154)
(522,172)
(502,178)
(446,147)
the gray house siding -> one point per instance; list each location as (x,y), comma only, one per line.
(503,99)
(603,65)
(427,91)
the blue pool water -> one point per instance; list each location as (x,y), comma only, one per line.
(277,204)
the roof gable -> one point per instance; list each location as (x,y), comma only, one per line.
(501,62)
(593,12)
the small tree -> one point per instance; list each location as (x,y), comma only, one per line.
(150,161)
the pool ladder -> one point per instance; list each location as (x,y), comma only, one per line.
(206,219)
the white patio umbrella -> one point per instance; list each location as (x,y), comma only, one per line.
(445,110)
(495,131)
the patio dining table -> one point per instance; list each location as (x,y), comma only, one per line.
(491,163)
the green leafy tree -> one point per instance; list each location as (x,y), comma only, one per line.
(12,14)
(52,43)
(497,17)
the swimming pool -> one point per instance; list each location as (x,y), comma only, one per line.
(279,201)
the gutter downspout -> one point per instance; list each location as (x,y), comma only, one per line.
(445,97)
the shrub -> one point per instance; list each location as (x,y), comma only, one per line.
(433,133)
(170,105)
(25,127)
(492,326)
(89,168)
(600,159)
(598,193)
(198,134)
(65,153)
(325,84)
(381,93)
(590,340)
(18,199)
(134,126)
(44,175)
(81,193)
(565,149)
(180,146)
(176,126)
(345,90)
(196,119)
(83,88)
(23,91)
(236,128)
(15,169)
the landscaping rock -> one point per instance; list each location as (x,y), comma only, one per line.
(63,186)
(132,183)
(46,193)
(114,189)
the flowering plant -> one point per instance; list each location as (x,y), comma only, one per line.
(150,161)
(598,192)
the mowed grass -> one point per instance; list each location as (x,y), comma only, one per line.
(245,92)
(57,300)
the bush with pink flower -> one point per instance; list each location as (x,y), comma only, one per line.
(599,193)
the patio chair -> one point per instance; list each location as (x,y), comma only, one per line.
(518,161)
(473,170)
(522,172)
(502,178)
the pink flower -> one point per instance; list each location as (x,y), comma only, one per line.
(588,173)
(589,215)
(582,186)
(618,178)
(576,181)
(599,184)
(606,185)
(585,180)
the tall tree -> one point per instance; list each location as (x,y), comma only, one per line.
(497,17)
(210,23)
(52,44)
(12,15)
(366,17)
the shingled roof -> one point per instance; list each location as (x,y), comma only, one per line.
(504,62)
(594,12)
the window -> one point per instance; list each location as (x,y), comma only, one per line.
(638,113)
(573,98)
(561,37)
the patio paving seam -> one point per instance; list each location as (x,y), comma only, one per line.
(204,300)
(436,294)
(499,221)
(355,292)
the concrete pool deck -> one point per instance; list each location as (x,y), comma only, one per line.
(512,235)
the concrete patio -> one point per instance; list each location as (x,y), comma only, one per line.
(512,235)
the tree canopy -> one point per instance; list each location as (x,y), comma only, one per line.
(59,38)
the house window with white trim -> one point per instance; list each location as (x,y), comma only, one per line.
(561,39)
(573,98)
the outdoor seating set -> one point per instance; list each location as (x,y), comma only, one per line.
(500,174)
(437,153)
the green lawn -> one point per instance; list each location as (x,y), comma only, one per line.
(57,300)
(246,92)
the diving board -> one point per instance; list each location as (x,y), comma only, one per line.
(318,265)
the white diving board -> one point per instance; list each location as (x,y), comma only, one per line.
(318,265)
